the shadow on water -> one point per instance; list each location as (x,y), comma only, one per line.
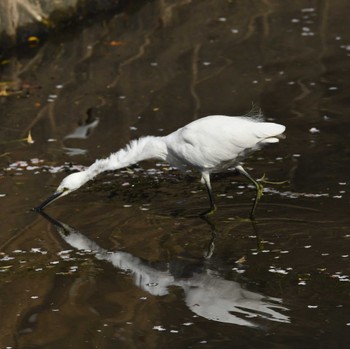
(206,293)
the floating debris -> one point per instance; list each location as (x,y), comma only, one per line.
(37,250)
(314,130)
(306,31)
(308,9)
(159,328)
(340,277)
(6,258)
(188,323)
(54,262)
(278,270)
(38,164)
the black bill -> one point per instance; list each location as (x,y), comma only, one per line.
(48,201)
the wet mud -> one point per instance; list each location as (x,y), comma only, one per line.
(126,260)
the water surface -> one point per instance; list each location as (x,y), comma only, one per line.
(126,261)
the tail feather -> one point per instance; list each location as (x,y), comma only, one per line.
(269,132)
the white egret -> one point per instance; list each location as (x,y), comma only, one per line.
(210,144)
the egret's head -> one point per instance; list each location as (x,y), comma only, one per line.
(72,182)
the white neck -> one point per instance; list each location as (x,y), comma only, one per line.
(149,147)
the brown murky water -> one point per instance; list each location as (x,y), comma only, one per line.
(125,261)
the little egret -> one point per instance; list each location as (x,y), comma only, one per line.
(210,144)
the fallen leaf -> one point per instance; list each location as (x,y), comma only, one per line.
(33,40)
(241,260)
(29,138)
(4,93)
(116,43)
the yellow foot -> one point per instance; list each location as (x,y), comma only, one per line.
(263,180)
(209,212)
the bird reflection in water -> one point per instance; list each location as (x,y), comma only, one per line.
(206,292)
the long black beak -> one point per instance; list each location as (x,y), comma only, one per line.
(53,197)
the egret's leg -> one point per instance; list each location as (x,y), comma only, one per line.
(212,203)
(258,186)
(206,181)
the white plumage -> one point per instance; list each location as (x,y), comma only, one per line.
(217,141)
(208,145)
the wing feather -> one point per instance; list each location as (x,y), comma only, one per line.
(210,142)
